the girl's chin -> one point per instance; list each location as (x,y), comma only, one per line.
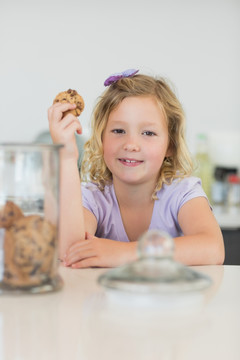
(132,181)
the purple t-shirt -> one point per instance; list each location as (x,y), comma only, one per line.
(104,207)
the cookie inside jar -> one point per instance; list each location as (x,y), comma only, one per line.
(29,251)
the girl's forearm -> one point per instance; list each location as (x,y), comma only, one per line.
(201,249)
(71,220)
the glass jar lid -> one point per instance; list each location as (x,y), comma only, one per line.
(155,271)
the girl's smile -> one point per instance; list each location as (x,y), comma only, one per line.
(135,141)
(130,162)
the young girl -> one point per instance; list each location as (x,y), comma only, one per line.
(140,178)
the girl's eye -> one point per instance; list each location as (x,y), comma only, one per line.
(118,131)
(149,133)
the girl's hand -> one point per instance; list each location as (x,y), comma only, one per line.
(98,252)
(62,128)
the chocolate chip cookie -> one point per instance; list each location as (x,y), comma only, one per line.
(72,97)
(9,212)
(29,252)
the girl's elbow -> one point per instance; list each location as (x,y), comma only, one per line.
(219,251)
(221,256)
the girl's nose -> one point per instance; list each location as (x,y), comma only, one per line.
(131,145)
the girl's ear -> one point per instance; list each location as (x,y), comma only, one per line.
(169,151)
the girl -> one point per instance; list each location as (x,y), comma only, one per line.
(140,178)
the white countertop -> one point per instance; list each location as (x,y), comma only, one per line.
(80,322)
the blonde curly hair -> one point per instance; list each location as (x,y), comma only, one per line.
(178,165)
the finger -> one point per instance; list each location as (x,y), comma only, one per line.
(63,106)
(56,111)
(68,120)
(86,263)
(80,256)
(60,106)
(76,254)
(78,245)
(79,250)
(68,133)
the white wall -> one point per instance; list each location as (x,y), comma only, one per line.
(52,45)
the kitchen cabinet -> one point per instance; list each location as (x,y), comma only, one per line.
(232,246)
(229,222)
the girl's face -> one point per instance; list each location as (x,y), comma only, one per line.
(135,141)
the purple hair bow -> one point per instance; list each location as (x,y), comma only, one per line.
(115,77)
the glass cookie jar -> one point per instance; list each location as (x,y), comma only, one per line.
(29,213)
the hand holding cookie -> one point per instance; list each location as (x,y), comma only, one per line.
(63,122)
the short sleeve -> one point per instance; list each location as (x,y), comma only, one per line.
(88,200)
(170,200)
(187,189)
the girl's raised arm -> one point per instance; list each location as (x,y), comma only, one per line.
(71,217)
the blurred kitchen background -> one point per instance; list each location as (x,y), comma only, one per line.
(49,46)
